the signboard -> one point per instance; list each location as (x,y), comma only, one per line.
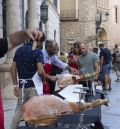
(71,40)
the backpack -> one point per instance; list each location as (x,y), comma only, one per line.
(117,57)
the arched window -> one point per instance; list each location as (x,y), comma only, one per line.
(26,19)
(55,35)
(116,14)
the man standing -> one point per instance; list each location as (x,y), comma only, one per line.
(50,58)
(105,65)
(26,63)
(10,42)
(88,62)
(116,61)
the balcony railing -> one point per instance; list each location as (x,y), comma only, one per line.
(71,14)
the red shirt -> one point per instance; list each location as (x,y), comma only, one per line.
(73,61)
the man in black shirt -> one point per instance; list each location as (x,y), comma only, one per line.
(105,64)
(10,42)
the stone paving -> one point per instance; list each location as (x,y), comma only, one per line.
(110,115)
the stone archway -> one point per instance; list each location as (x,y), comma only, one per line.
(103,36)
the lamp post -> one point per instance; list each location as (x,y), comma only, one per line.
(44,12)
(44,15)
(98,23)
(107,16)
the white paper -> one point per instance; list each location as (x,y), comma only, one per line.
(56,86)
(93,89)
(68,93)
(38,83)
(99,87)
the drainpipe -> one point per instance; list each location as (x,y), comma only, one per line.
(23,18)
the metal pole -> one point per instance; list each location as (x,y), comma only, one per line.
(96,36)
(46,30)
(23,18)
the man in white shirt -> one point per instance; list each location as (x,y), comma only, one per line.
(50,58)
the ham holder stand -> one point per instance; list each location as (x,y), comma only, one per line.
(81,93)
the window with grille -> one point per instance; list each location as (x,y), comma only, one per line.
(116,14)
(55,3)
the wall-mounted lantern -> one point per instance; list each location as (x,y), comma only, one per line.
(107,16)
(44,12)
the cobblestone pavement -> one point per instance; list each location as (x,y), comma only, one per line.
(110,115)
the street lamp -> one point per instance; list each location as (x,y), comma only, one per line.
(98,21)
(44,15)
(107,16)
(44,12)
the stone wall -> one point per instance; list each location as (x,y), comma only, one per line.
(81,29)
(114,27)
(6,82)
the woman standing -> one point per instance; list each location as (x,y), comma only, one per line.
(73,57)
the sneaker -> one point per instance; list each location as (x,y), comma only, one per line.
(117,80)
(110,88)
(92,126)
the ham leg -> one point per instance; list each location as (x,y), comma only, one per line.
(46,109)
(69,79)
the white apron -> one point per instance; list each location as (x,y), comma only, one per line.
(38,83)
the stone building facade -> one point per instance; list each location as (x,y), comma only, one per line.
(78,22)
(20,14)
(114,23)
(102,10)
(53,24)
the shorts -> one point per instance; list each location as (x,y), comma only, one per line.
(106,68)
(117,66)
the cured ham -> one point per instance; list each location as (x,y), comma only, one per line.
(46,109)
(69,79)
(66,80)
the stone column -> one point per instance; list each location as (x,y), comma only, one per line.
(32,14)
(13,20)
(13,23)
